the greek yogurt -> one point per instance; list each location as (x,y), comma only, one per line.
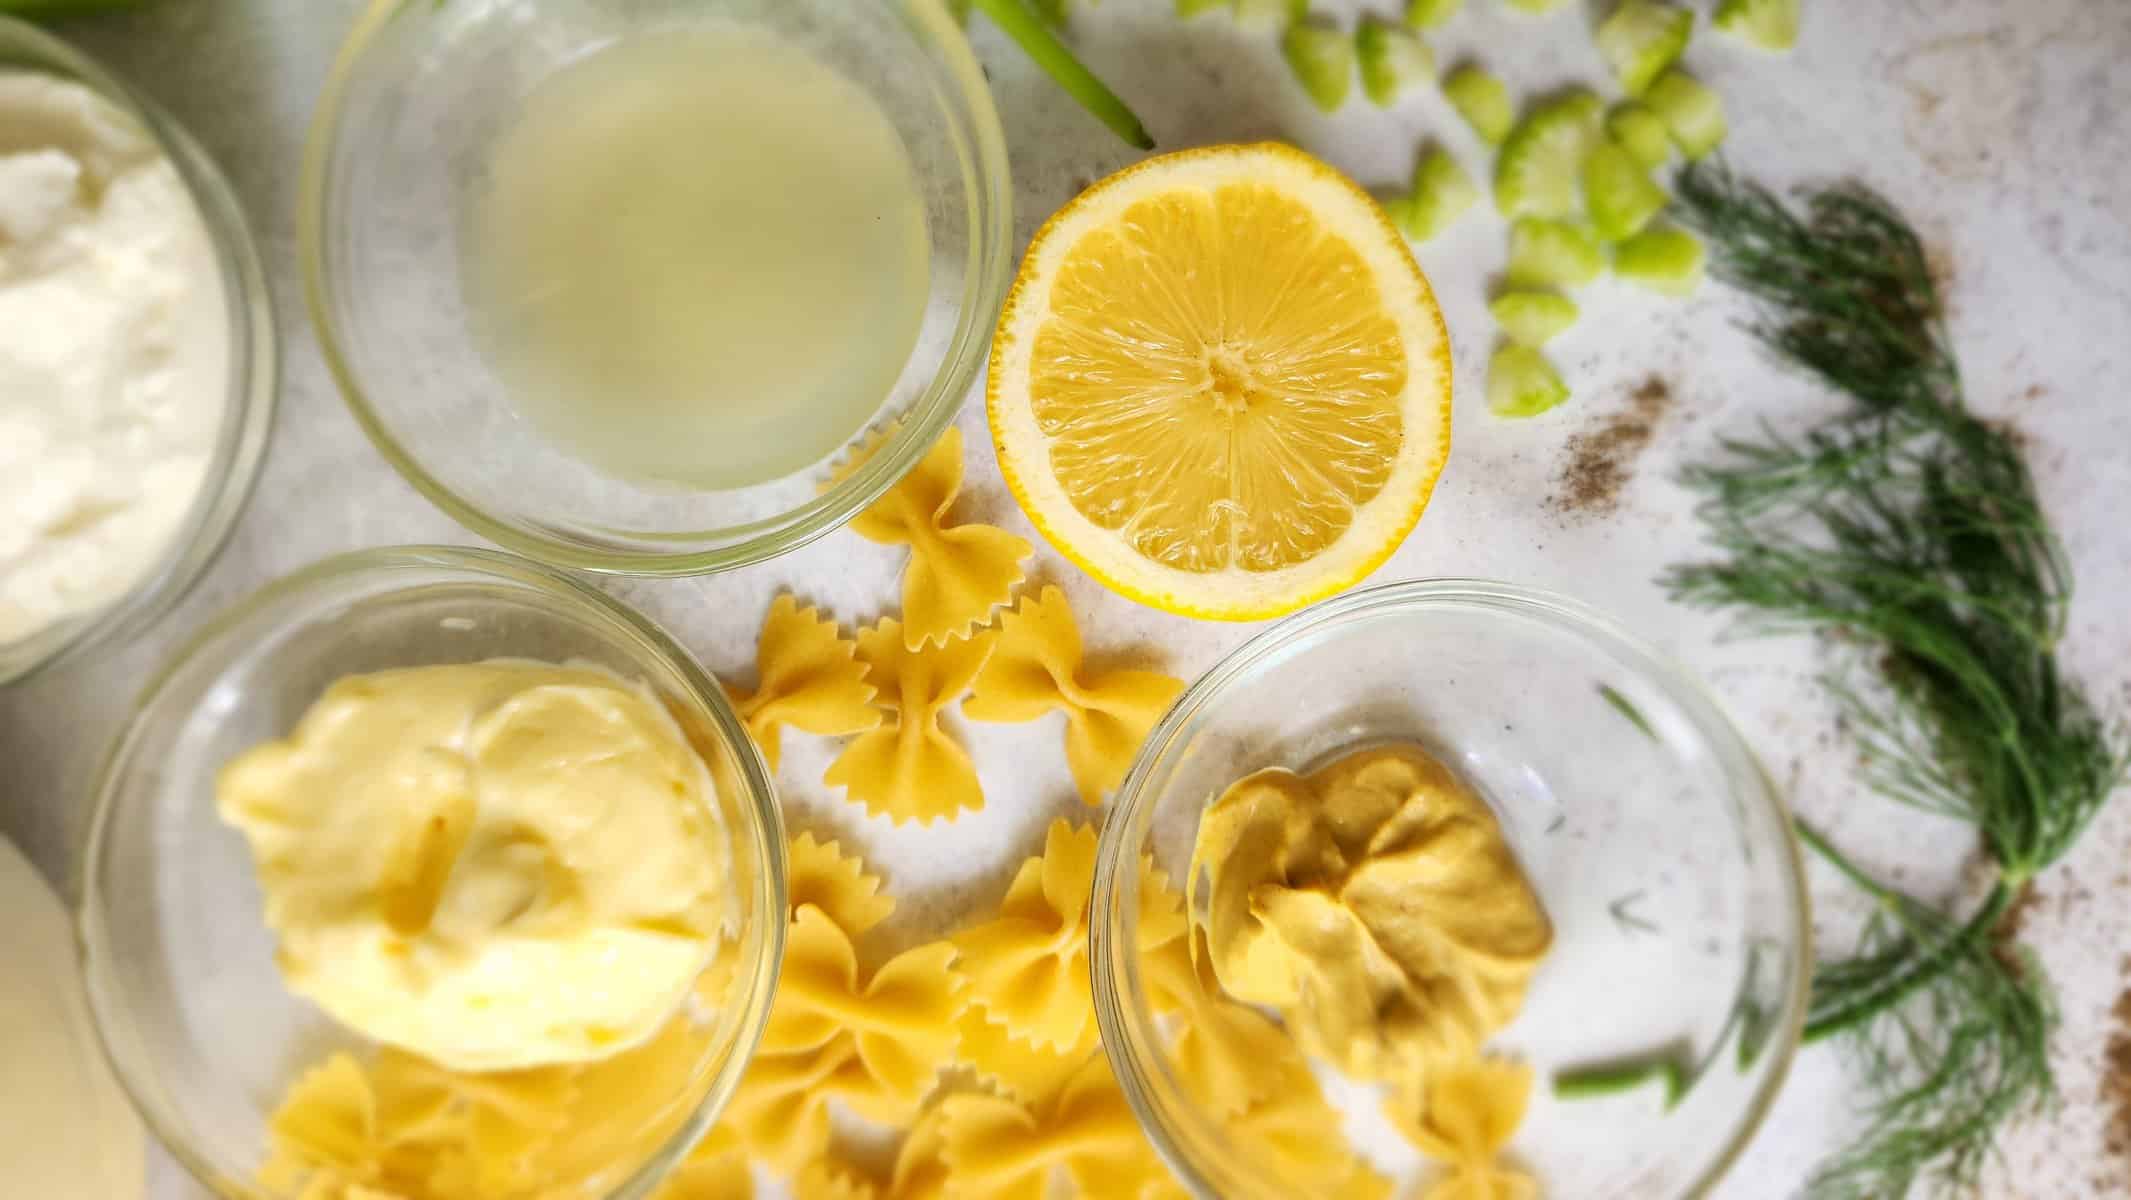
(114,353)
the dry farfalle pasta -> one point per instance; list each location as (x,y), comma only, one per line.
(1468,1113)
(716,1169)
(1231,1056)
(918,1174)
(1028,967)
(998,1148)
(808,677)
(1037,667)
(405,1128)
(899,1021)
(1010,1062)
(820,874)
(957,575)
(910,768)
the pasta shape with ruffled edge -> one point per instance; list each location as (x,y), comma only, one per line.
(1470,1111)
(957,575)
(1028,967)
(820,874)
(1301,1139)
(998,1148)
(808,677)
(1038,667)
(918,1172)
(910,769)
(899,1022)
(1230,1056)
(715,1169)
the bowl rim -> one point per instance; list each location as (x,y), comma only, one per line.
(703,694)
(255,365)
(1114,972)
(987,177)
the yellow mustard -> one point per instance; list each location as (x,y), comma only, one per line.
(493,866)
(1376,905)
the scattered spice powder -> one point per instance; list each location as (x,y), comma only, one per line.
(1601,461)
(2116,1078)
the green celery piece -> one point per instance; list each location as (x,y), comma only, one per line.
(1392,59)
(1535,6)
(1268,11)
(1618,192)
(1036,39)
(1770,25)
(1427,14)
(1693,112)
(1663,259)
(1442,192)
(1192,8)
(1532,318)
(1522,383)
(1641,39)
(1322,58)
(1536,173)
(1641,133)
(1548,254)
(1483,101)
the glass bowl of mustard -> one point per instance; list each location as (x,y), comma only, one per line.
(424,767)
(1482,893)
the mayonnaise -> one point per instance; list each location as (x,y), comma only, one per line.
(493,866)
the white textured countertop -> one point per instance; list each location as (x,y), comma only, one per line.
(2000,126)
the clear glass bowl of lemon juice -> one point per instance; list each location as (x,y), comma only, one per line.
(623,284)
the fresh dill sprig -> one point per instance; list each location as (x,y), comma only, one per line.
(1908,530)
(1949,1069)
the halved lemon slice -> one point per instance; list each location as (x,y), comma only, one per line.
(1221,384)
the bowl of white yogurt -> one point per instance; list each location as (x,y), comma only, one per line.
(138,364)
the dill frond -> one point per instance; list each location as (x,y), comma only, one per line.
(1907,530)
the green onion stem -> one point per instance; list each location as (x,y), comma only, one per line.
(1040,44)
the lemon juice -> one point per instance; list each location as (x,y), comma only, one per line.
(698,258)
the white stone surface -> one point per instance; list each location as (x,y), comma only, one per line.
(1999,125)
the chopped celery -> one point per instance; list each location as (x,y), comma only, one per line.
(1268,11)
(1392,59)
(1536,6)
(1483,101)
(1641,39)
(1442,192)
(1427,14)
(1768,24)
(1640,132)
(1693,113)
(1545,254)
(1322,58)
(1664,259)
(1536,173)
(1192,8)
(1522,383)
(1533,318)
(1618,192)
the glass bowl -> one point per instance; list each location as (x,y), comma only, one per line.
(1649,831)
(254,372)
(179,961)
(403,135)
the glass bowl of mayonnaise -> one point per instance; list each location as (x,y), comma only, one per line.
(138,365)
(1478,896)
(431,873)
